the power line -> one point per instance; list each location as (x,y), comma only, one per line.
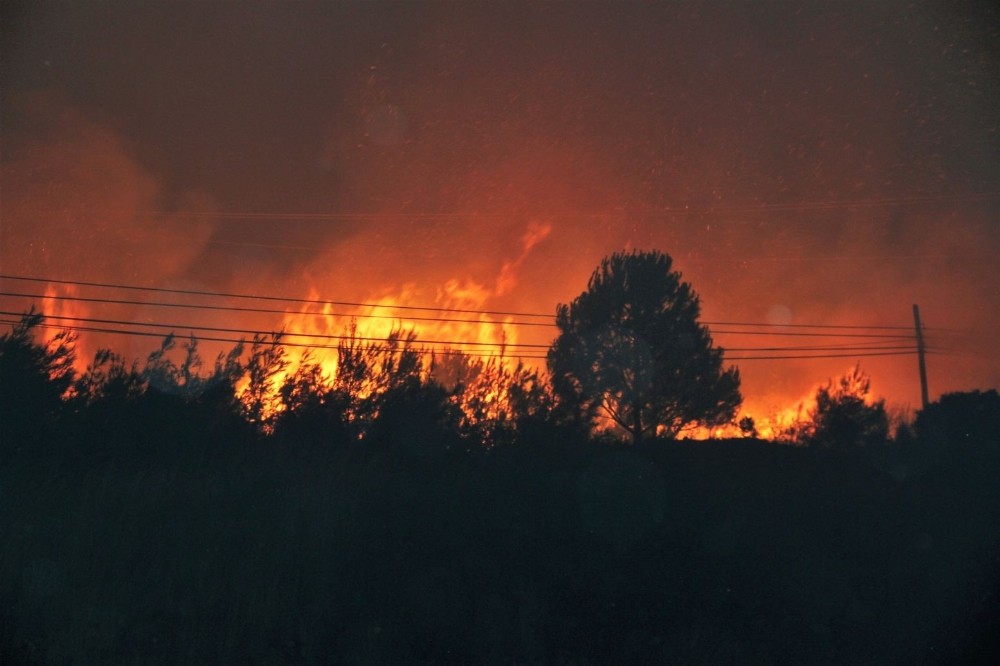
(322,336)
(334,217)
(807,356)
(237,308)
(480,354)
(343,337)
(284,299)
(862,347)
(839,204)
(283,343)
(427,308)
(815,335)
(865,348)
(882,338)
(277,246)
(829,204)
(836,326)
(686,259)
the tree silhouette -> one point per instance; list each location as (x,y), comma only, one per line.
(109,380)
(748,427)
(264,367)
(369,370)
(495,395)
(416,418)
(34,376)
(630,348)
(961,420)
(312,411)
(843,417)
(185,379)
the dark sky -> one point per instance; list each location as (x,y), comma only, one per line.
(808,162)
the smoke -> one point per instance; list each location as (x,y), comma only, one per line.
(813,166)
(76,205)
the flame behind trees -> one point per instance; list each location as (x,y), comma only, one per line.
(631,355)
(34,377)
(844,415)
(383,387)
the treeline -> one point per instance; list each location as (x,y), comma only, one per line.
(191,511)
(382,388)
(379,389)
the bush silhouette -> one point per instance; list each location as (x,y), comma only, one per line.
(34,377)
(963,423)
(843,417)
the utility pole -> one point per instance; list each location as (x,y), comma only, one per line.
(920,356)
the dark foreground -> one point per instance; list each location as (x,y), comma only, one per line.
(151,551)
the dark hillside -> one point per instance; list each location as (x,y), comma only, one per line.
(122,549)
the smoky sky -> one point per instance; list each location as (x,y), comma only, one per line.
(824,158)
(280,106)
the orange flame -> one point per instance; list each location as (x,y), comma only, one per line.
(55,307)
(440,329)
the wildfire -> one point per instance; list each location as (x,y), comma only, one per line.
(455,322)
(781,422)
(60,313)
(776,425)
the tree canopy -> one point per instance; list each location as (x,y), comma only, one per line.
(34,376)
(630,349)
(844,417)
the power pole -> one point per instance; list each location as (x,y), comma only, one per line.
(920,356)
